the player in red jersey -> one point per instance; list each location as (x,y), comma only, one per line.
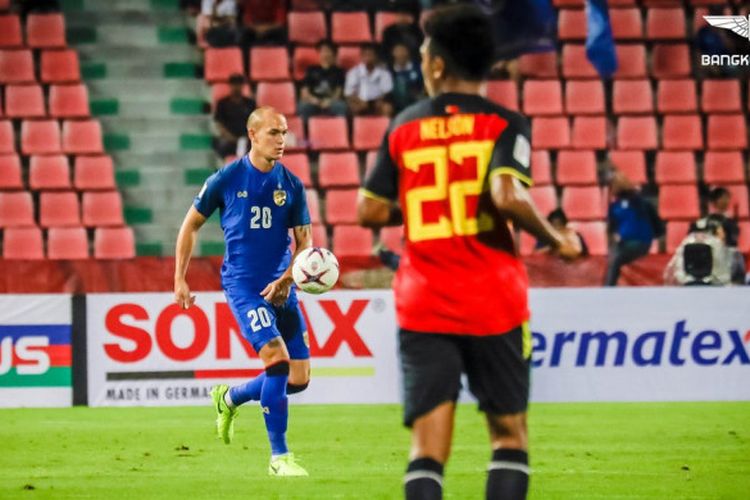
(454,167)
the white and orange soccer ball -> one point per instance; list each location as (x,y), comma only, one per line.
(315,270)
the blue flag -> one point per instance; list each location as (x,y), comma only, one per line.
(521,26)
(600,45)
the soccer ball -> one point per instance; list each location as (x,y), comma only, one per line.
(315,270)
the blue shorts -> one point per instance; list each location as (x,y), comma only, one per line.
(261,322)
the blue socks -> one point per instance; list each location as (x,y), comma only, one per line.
(250,391)
(273,400)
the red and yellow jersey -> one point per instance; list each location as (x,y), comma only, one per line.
(459,273)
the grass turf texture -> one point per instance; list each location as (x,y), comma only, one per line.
(654,450)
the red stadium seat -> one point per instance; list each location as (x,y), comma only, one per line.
(269,64)
(67,243)
(740,207)
(544,198)
(622,3)
(60,66)
(279,95)
(23,243)
(575,64)
(636,132)
(550,133)
(49,172)
(10,172)
(666,24)
(59,209)
(681,132)
(307,28)
(299,165)
(313,205)
(632,97)
(16,66)
(302,58)
(94,172)
(679,202)
(504,93)
(350,27)
(24,101)
(102,208)
(594,234)
(626,23)
(338,170)
(541,170)
(676,232)
(576,168)
(675,167)
(383,20)
(82,137)
(222,89)
(7,139)
(585,97)
(16,209)
(723,167)
(352,241)
(539,65)
(589,132)
(69,101)
(45,31)
(721,96)
(319,236)
(368,132)
(392,238)
(542,98)
(631,163)
(569,3)
(328,133)
(348,56)
(571,24)
(670,61)
(40,137)
(296,140)
(10,32)
(222,63)
(676,96)
(583,203)
(727,132)
(114,243)
(341,206)
(631,61)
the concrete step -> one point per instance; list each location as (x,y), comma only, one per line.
(151,69)
(129,159)
(191,124)
(74,6)
(134,87)
(136,53)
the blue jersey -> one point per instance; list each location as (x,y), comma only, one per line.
(257,209)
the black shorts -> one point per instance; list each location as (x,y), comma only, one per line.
(495,366)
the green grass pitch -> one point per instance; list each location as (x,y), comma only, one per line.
(587,451)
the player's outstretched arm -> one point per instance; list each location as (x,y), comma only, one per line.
(276,292)
(183,251)
(375,212)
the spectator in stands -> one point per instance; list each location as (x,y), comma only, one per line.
(222,28)
(559,221)
(719,209)
(633,225)
(368,85)
(230,117)
(405,31)
(263,22)
(322,88)
(407,77)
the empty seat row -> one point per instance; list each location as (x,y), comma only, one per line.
(97,208)
(56,66)
(43,31)
(335,169)
(308,28)
(332,133)
(65,101)
(53,172)
(662,23)
(68,243)
(45,137)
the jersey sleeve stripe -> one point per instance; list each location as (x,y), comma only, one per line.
(369,194)
(512,171)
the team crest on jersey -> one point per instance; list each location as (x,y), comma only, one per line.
(279,197)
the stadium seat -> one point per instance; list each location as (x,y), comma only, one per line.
(45,31)
(7,138)
(721,96)
(299,165)
(59,209)
(49,172)
(594,234)
(352,241)
(384,19)
(589,132)
(576,168)
(541,169)
(571,24)
(319,236)
(723,167)
(585,97)
(24,101)
(23,243)
(631,61)
(575,64)
(550,133)
(676,96)
(348,56)
(675,233)
(82,137)
(341,206)
(392,238)
(504,93)
(307,28)
(636,132)
(544,198)
(338,170)
(526,243)
(727,132)
(675,167)
(296,140)
(313,205)
(626,23)
(221,63)
(305,5)
(583,203)
(39,137)
(269,64)
(16,209)
(632,97)
(568,3)
(740,206)
(666,23)
(220,90)
(10,32)
(10,172)
(60,66)
(69,101)
(114,243)
(94,172)
(279,95)
(542,98)
(679,202)
(16,66)
(67,243)
(631,163)
(682,132)
(302,58)
(670,61)
(368,132)
(102,208)
(350,27)
(539,65)
(328,133)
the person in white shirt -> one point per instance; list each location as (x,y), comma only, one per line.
(368,85)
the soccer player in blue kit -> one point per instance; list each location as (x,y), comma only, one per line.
(259,200)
